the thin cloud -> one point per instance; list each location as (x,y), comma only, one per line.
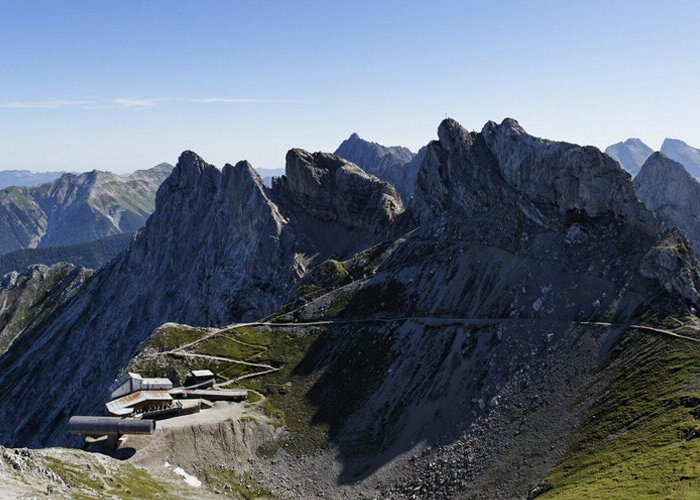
(127,102)
(135,103)
(52,104)
(226,100)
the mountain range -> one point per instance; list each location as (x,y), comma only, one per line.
(26,177)
(77,208)
(632,153)
(479,336)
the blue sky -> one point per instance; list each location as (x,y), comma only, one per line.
(125,85)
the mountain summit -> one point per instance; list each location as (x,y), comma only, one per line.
(684,154)
(631,154)
(394,164)
(668,190)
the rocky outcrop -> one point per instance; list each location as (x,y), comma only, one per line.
(331,189)
(684,154)
(668,190)
(394,164)
(77,208)
(30,297)
(670,263)
(631,154)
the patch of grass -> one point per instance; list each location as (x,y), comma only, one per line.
(73,476)
(253,397)
(250,335)
(247,486)
(632,444)
(93,481)
(225,346)
(172,337)
(334,268)
(276,415)
(138,483)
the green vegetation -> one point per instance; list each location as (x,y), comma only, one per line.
(246,486)
(74,476)
(228,346)
(94,481)
(133,482)
(633,443)
(172,337)
(333,268)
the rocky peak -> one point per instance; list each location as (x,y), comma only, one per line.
(452,135)
(562,175)
(393,164)
(660,164)
(631,154)
(684,154)
(668,190)
(333,189)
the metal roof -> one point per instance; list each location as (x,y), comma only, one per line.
(156,383)
(217,393)
(202,373)
(124,405)
(118,382)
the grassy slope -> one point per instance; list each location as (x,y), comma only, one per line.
(633,441)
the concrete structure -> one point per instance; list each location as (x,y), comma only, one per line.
(216,395)
(109,426)
(139,402)
(132,382)
(199,379)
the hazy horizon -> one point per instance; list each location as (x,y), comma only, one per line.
(237,80)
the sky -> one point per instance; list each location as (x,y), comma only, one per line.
(125,85)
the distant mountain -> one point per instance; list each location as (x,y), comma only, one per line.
(77,208)
(268,173)
(394,164)
(686,155)
(90,254)
(26,177)
(668,190)
(631,154)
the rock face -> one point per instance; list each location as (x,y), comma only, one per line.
(77,208)
(668,190)
(394,164)
(331,189)
(30,297)
(26,178)
(220,247)
(631,154)
(494,353)
(686,155)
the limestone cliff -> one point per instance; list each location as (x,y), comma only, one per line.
(668,190)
